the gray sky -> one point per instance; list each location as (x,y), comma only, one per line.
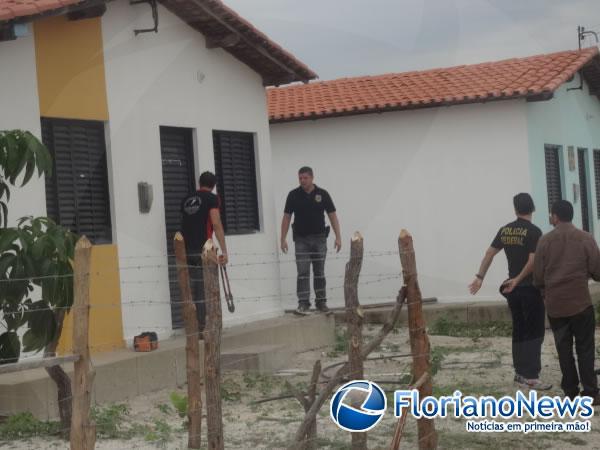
(339,38)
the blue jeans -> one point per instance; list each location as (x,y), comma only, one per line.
(311,250)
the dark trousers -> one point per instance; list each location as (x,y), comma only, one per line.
(528,316)
(581,329)
(197,285)
(311,250)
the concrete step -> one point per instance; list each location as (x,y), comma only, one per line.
(470,312)
(256,358)
(462,312)
(265,346)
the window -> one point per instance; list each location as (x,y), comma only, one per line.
(553,178)
(236,181)
(597,179)
(77,192)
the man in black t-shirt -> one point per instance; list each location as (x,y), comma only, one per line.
(200,216)
(309,203)
(519,240)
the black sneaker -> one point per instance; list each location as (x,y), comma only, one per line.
(323,308)
(302,310)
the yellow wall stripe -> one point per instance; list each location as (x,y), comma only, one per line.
(106,323)
(70,68)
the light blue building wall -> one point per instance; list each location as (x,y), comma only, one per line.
(570,119)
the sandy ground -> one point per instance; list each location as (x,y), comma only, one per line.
(475,366)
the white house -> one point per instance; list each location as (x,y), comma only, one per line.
(442,152)
(125,93)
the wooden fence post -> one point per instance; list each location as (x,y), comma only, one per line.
(83,430)
(192,348)
(395,445)
(212,347)
(354,320)
(419,341)
(300,436)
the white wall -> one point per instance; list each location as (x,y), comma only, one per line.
(21,110)
(152,80)
(447,175)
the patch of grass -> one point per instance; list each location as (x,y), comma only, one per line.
(445,326)
(393,348)
(164,408)
(110,421)
(340,344)
(25,425)
(180,403)
(160,433)
(574,440)
(265,384)
(231,390)
(483,441)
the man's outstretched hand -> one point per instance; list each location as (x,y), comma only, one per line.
(475,286)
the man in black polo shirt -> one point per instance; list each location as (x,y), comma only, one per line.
(308,203)
(519,240)
(199,217)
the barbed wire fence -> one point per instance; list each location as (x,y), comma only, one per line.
(82,429)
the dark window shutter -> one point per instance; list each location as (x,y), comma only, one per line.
(77,192)
(597,179)
(553,179)
(583,188)
(236,181)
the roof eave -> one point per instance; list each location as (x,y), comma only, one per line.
(530,97)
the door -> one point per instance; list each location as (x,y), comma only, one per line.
(583,189)
(176,145)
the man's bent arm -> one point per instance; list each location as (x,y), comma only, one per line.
(527,269)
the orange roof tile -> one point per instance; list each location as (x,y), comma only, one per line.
(508,79)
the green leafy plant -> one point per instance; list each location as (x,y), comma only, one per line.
(34,253)
(180,403)
(21,153)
